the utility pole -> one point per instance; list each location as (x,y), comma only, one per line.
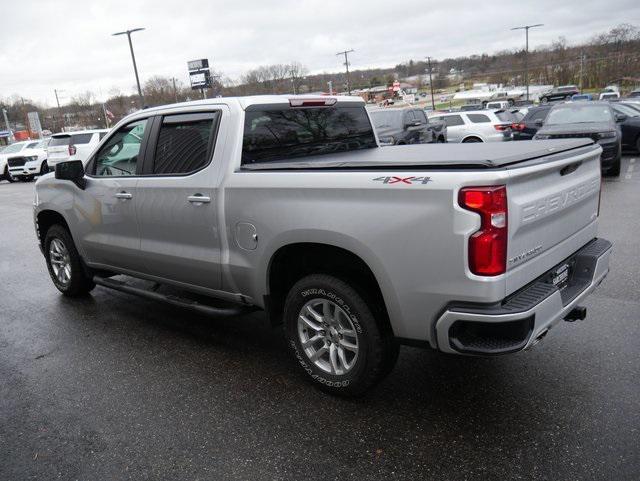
(581,68)
(330,85)
(346,64)
(133,58)
(526,52)
(55,91)
(433,103)
(175,90)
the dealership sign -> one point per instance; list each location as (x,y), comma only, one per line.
(199,74)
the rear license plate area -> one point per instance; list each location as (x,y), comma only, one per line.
(561,274)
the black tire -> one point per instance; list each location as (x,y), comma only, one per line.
(441,140)
(614,170)
(544,100)
(471,139)
(44,168)
(79,283)
(7,175)
(638,144)
(377,349)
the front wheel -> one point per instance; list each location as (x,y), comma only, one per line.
(335,336)
(44,167)
(614,170)
(544,100)
(7,176)
(64,263)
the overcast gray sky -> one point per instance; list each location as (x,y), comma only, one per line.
(67,44)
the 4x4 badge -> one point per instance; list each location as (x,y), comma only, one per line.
(403,180)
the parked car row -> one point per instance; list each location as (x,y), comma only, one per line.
(27,159)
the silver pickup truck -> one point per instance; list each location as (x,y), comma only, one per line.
(288,204)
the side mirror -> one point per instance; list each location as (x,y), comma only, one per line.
(621,118)
(72,171)
(539,123)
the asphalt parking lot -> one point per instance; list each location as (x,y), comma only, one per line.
(116,387)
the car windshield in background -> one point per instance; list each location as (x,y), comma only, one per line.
(13,148)
(628,111)
(58,141)
(579,114)
(272,134)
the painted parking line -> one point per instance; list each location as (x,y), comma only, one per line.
(630,169)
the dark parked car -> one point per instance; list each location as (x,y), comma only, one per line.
(595,120)
(403,126)
(527,127)
(634,94)
(564,92)
(629,124)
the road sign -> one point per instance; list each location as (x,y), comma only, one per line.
(199,74)
(34,123)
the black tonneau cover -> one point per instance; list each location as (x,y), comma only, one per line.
(485,155)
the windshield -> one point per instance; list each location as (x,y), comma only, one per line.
(579,114)
(628,111)
(13,148)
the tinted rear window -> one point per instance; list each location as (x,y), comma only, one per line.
(81,138)
(478,118)
(505,116)
(58,141)
(272,134)
(536,114)
(453,120)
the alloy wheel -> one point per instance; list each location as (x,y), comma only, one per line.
(328,337)
(60,261)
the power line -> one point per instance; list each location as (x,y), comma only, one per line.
(526,52)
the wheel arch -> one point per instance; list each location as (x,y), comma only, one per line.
(292,261)
(45,219)
(472,136)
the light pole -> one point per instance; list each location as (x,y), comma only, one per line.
(60,114)
(133,58)
(526,52)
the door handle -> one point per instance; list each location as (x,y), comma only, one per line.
(199,199)
(124,195)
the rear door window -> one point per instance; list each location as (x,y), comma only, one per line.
(272,134)
(184,143)
(453,120)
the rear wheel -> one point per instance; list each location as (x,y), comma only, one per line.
(64,263)
(337,336)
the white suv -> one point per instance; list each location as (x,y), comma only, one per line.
(73,145)
(478,126)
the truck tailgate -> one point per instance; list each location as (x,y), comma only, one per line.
(553,209)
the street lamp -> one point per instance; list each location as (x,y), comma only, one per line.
(526,52)
(133,58)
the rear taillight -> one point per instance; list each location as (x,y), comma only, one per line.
(519,127)
(72,150)
(501,127)
(487,246)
